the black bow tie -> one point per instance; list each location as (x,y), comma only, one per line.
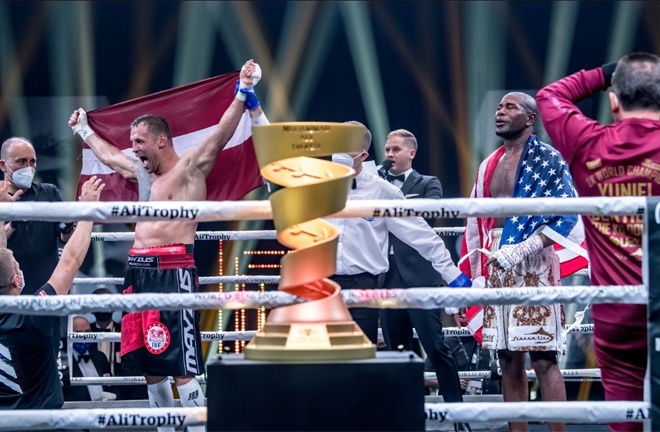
(84,357)
(401,177)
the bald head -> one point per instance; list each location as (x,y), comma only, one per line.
(14,144)
(80,324)
(527,102)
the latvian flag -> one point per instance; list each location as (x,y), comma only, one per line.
(192,111)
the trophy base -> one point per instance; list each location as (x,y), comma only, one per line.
(310,341)
(384,393)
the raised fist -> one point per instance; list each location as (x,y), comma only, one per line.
(79,124)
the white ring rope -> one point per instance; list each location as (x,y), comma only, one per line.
(204,280)
(200,235)
(112,418)
(411,298)
(208,336)
(239,235)
(574,412)
(206,211)
(139,380)
(564,412)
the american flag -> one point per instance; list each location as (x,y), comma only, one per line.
(542,173)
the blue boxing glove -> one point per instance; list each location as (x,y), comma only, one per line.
(462,281)
(251,100)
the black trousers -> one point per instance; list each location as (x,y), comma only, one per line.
(366,318)
(398,327)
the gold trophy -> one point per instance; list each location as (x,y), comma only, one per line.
(321,328)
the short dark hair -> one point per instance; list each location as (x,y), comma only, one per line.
(636,82)
(156,125)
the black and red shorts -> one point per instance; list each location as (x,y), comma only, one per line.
(161,343)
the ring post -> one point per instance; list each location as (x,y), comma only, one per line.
(651,271)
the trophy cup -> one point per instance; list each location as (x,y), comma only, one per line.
(321,328)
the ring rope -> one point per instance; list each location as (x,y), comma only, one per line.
(207,211)
(208,280)
(481,374)
(200,235)
(211,336)
(575,412)
(411,298)
(205,280)
(240,235)
(112,418)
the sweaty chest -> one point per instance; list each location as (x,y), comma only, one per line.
(504,177)
(174,188)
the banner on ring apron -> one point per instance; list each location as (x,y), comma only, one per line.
(651,273)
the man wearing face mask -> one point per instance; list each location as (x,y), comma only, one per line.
(87,361)
(29,370)
(34,243)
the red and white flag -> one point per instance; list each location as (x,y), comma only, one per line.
(192,111)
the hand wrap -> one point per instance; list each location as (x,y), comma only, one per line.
(82,128)
(509,256)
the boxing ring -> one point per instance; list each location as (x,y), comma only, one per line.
(446,413)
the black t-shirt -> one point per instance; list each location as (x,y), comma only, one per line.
(28,371)
(34,243)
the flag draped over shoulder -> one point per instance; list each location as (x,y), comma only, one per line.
(192,112)
(542,173)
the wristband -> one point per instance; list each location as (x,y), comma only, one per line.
(251,100)
(67,227)
(608,73)
(451,311)
(84,132)
(462,281)
(261,120)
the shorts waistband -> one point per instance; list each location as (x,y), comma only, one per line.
(165,257)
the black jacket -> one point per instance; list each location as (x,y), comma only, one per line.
(80,393)
(414,269)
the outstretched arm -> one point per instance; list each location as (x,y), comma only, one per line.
(76,248)
(5,187)
(566,125)
(104,151)
(203,157)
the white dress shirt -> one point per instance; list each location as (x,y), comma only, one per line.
(399,183)
(87,369)
(362,243)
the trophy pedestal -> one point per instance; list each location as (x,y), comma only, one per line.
(384,393)
(309,342)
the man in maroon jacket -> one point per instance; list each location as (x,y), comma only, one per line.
(621,159)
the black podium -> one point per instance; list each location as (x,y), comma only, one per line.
(385,393)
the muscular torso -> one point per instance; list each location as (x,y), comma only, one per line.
(504,179)
(176,185)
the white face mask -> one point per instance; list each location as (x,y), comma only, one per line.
(23,177)
(344,159)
